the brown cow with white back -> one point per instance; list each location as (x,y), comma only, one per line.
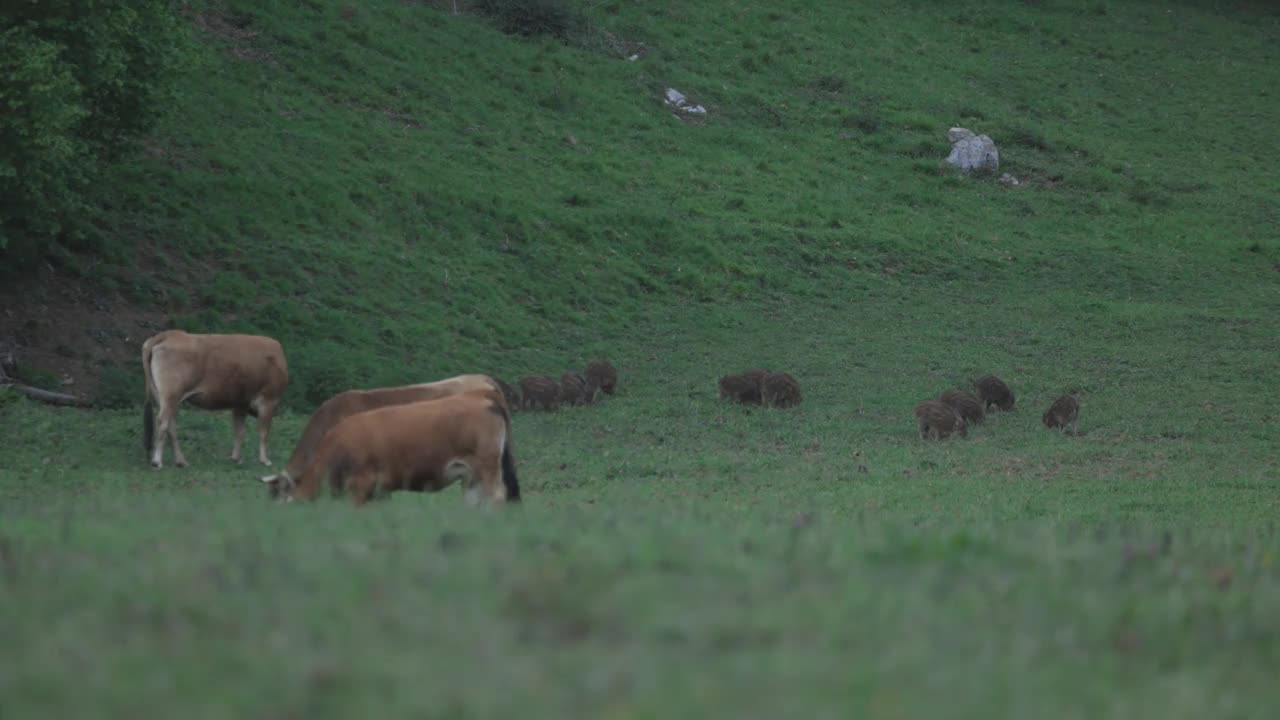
(246,374)
(420,447)
(350,402)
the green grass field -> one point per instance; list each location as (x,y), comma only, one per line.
(392,193)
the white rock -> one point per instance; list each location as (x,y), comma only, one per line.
(971,152)
(676,98)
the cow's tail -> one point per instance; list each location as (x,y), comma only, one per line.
(148,407)
(509,478)
(509,472)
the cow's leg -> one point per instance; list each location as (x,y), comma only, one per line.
(461,471)
(365,486)
(237,434)
(179,459)
(482,484)
(157,436)
(360,487)
(157,446)
(167,425)
(488,477)
(266,411)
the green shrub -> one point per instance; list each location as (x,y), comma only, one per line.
(79,81)
(320,370)
(38,377)
(120,387)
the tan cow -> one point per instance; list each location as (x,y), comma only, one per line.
(246,374)
(420,447)
(350,402)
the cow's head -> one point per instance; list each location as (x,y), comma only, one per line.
(279,486)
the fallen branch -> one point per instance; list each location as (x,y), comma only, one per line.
(52,398)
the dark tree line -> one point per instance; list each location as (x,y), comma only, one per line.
(80,81)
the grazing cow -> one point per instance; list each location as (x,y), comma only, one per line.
(1063,412)
(350,402)
(966,404)
(994,393)
(539,391)
(419,447)
(576,390)
(936,420)
(779,390)
(603,375)
(743,387)
(509,393)
(246,374)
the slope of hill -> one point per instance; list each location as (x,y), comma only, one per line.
(399,193)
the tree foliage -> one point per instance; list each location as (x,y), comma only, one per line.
(79,81)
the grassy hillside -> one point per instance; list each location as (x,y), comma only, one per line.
(400,194)
(679,557)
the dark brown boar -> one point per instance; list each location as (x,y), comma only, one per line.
(780,390)
(936,420)
(603,375)
(539,392)
(966,404)
(994,393)
(1063,412)
(575,390)
(509,393)
(743,387)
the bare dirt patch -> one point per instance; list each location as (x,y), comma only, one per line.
(239,40)
(64,333)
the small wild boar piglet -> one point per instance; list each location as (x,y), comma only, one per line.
(508,393)
(994,393)
(743,387)
(575,390)
(936,420)
(539,392)
(1063,412)
(780,390)
(966,404)
(603,375)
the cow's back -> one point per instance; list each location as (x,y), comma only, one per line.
(176,338)
(467,383)
(228,371)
